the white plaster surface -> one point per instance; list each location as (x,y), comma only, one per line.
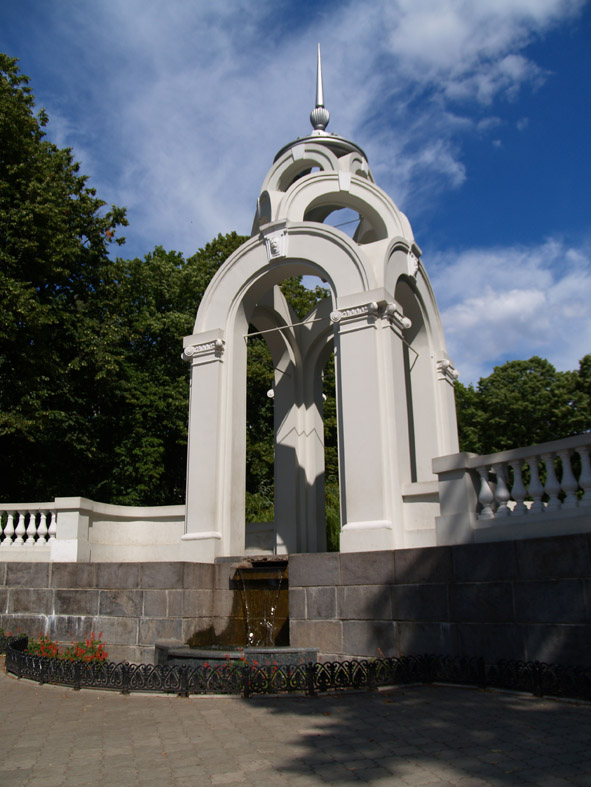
(395,406)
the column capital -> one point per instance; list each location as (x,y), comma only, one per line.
(371,311)
(365,310)
(206,346)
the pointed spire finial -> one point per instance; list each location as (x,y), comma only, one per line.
(319,116)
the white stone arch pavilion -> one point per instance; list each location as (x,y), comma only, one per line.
(394,379)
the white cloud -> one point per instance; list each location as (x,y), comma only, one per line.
(515,302)
(176,110)
(488,123)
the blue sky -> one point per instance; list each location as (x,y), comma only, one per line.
(475,115)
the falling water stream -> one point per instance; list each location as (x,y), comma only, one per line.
(263,587)
(260,598)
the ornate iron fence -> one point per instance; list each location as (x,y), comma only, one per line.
(4,640)
(311,678)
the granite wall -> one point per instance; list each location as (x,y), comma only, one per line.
(527,599)
(132,604)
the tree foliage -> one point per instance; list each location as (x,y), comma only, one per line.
(523,403)
(54,241)
(144,308)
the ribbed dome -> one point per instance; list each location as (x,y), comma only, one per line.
(319,118)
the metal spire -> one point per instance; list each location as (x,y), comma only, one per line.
(319,116)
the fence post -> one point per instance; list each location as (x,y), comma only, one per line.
(538,688)
(371,676)
(77,675)
(184,682)
(125,670)
(310,679)
(43,671)
(246,681)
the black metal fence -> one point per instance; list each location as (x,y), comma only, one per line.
(311,678)
(4,640)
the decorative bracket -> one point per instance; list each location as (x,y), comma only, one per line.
(276,243)
(447,371)
(396,317)
(412,260)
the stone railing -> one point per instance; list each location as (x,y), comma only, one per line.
(72,529)
(27,529)
(540,490)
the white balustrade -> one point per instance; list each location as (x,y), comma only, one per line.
(560,489)
(30,526)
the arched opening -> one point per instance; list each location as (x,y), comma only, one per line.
(350,215)
(246,292)
(285,477)
(345,219)
(332,496)
(260,448)
(299,169)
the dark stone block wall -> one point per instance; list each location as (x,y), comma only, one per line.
(527,600)
(132,604)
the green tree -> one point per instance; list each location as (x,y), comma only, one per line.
(144,308)
(523,403)
(54,242)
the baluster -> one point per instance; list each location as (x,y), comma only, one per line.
(502,494)
(535,489)
(20,528)
(53,526)
(552,483)
(485,496)
(31,528)
(569,482)
(518,491)
(585,477)
(9,531)
(42,529)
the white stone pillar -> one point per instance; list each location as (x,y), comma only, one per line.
(371,501)
(71,543)
(299,453)
(287,492)
(204,523)
(313,455)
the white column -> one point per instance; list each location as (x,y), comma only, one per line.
(204,517)
(371,501)
(299,449)
(288,426)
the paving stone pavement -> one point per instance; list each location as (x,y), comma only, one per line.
(421,736)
